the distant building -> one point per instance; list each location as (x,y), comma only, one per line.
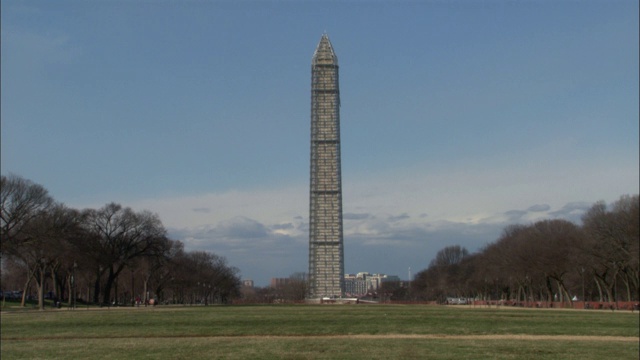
(355,285)
(279,282)
(247,283)
(363,282)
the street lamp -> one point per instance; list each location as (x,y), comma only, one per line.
(73,285)
(584,301)
(615,286)
(205,294)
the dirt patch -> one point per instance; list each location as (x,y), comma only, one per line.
(364,337)
(499,337)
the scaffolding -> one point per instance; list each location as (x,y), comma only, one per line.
(326,259)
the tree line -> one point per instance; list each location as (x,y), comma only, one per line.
(103,256)
(117,255)
(549,260)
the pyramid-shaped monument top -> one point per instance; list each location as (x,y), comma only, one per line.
(324,54)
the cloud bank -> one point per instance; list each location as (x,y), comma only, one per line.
(389,225)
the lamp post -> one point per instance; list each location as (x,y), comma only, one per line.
(615,286)
(205,293)
(73,285)
(584,301)
(195,294)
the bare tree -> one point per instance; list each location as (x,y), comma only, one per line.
(158,267)
(450,255)
(42,241)
(549,260)
(201,276)
(445,276)
(44,252)
(626,212)
(119,235)
(21,201)
(611,246)
(292,289)
(554,243)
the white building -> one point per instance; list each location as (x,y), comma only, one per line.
(363,282)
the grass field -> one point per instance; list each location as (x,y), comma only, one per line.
(320,332)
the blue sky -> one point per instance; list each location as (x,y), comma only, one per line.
(458,118)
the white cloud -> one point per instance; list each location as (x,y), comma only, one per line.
(539,207)
(270,206)
(264,232)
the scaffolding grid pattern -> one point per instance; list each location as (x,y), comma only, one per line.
(326,259)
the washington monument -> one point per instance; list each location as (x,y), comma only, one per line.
(326,258)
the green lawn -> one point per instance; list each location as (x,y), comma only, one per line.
(320,332)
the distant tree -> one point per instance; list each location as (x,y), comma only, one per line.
(226,281)
(394,291)
(22,204)
(259,295)
(476,275)
(159,266)
(21,201)
(298,286)
(513,261)
(530,260)
(293,289)
(450,255)
(611,246)
(181,274)
(202,276)
(117,237)
(554,243)
(46,250)
(549,260)
(41,240)
(444,277)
